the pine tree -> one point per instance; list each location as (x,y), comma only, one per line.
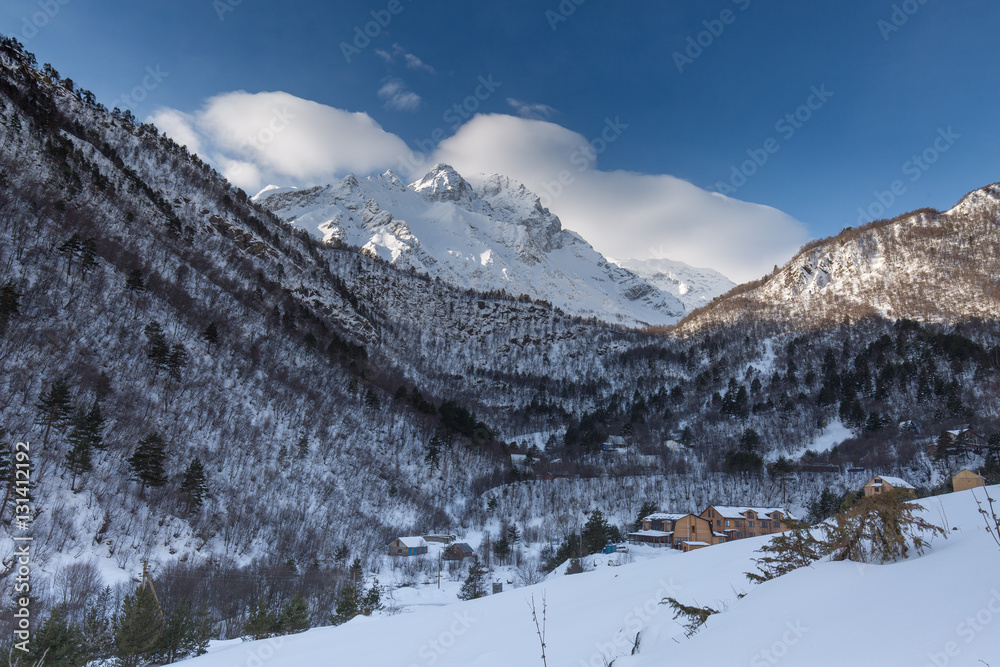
(176,361)
(71,247)
(54,407)
(475,583)
(137,629)
(261,623)
(877,529)
(341,555)
(78,457)
(10,301)
(157,349)
(185,634)
(788,551)
(98,627)
(371,601)
(648,507)
(57,643)
(147,461)
(211,334)
(597,533)
(6,473)
(347,606)
(295,615)
(134,282)
(195,483)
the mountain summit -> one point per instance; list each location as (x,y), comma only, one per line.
(493,236)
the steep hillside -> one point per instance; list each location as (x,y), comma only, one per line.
(925,266)
(490,238)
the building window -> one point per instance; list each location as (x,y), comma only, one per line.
(718,522)
(750,525)
(739,524)
(752,533)
(727,523)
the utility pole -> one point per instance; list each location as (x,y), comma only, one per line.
(148,581)
(439,570)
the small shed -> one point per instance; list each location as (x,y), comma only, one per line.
(408,546)
(965,479)
(458,551)
(883,484)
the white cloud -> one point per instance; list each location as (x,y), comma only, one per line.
(528,110)
(397,96)
(262,138)
(259,138)
(624,214)
(412,61)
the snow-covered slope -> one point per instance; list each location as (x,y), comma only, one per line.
(925,266)
(694,287)
(496,236)
(942,604)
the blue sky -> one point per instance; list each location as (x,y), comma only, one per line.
(890,88)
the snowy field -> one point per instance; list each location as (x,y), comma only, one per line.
(942,608)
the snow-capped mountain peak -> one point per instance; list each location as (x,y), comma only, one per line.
(494,236)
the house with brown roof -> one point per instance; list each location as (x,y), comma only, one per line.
(664,529)
(886,484)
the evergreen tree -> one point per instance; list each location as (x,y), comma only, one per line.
(54,407)
(137,629)
(302,446)
(78,458)
(295,615)
(597,533)
(211,334)
(475,583)
(147,461)
(341,555)
(6,473)
(176,361)
(157,349)
(371,601)
(501,547)
(877,529)
(648,507)
(57,644)
(788,551)
(134,282)
(71,247)
(10,301)
(195,483)
(98,627)
(346,607)
(184,634)
(261,623)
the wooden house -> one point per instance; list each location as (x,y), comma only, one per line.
(458,551)
(408,546)
(657,530)
(883,484)
(965,479)
(739,522)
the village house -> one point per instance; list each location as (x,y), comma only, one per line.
(657,530)
(408,546)
(458,551)
(664,529)
(614,443)
(884,484)
(965,479)
(739,522)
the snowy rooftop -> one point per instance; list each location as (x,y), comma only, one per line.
(652,533)
(663,516)
(893,481)
(413,542)
(733,512)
